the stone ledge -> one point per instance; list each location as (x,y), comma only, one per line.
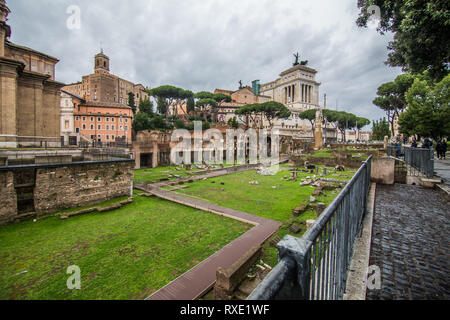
(228,280)
(444,190)
(96,209)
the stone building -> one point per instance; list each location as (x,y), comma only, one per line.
(29,94)
(240,98)
(103,122)
(298,90)
(104,115)
(69,103)
(105,87)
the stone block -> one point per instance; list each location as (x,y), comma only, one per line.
(320,208)
(47,159)
(300,209)
(228,280)
(383,170)
(295,228)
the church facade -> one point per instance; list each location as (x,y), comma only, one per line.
(29,94)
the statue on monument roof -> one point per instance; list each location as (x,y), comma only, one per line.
(302,63)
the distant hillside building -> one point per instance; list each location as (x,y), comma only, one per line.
(104,87)
(104,115)
(240,98)
(29,94)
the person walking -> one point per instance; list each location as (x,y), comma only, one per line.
(444,148)
(414,144)
(439,149)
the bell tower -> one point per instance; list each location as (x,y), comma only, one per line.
(101,62)
(5,30)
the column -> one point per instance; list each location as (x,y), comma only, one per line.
(302,94)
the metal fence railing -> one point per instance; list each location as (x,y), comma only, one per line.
(421,159)
(315,267)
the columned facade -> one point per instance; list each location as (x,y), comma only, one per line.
(298,90)
(29,96)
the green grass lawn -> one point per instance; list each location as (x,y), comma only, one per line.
(152,175)
(127,253)
(263,200)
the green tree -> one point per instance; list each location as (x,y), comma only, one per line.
(179,124)
(420,29)
(174,97)
(131,102)
(161,106)
(428,112)
(233,123)
(141,122)
(309,115)
(269,110)
(146,106)
(380,129)
(220,100)
(391,97)
(190,105)
(361,123)
(205,105)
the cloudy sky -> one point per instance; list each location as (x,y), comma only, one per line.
(207,44)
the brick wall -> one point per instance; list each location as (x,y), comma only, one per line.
(75,186)
(8,198)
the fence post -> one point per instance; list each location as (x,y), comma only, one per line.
(298,250)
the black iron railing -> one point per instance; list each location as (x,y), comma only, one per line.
(316,266)
(420,159)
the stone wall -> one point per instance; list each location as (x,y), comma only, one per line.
(228,280)
(81,185)
(8,198)
(383,170)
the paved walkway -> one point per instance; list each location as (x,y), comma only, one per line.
(442,169)
(200,279)
(410,244)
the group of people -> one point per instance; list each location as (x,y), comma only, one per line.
(441,146)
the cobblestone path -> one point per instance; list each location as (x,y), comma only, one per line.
(410,244)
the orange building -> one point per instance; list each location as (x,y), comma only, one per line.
(103,122)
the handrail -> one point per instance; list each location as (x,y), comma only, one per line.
(315,267)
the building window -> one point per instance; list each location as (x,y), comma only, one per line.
(99,127)
(77,118)
(92,127)
(107,119)
(121,128)
(112,137)
(77,130)
(107,137)
(92,119)
(112,127)
(107,127)
(84,127)
(84,118)
(99,119)
(126,128)
(126,120)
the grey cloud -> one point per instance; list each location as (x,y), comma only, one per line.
(203,45)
